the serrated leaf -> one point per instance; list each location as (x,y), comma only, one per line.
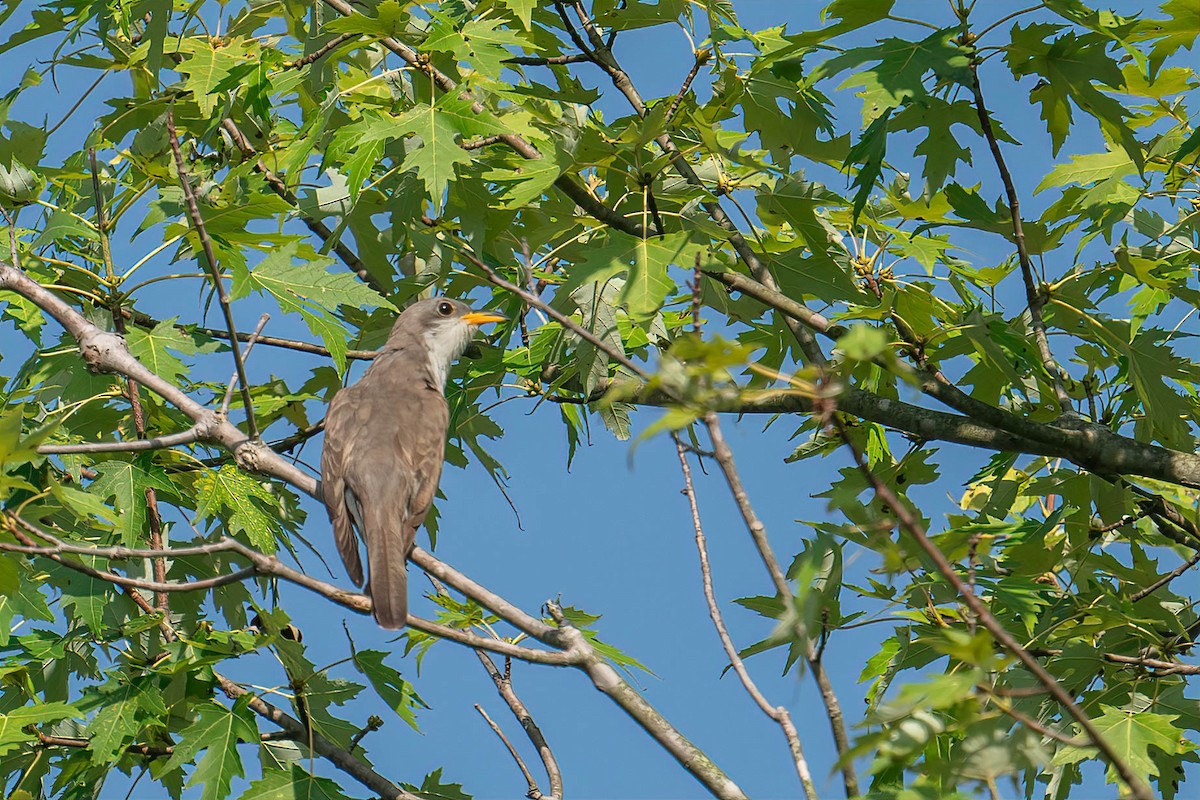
(292,784)
(434,161)
(242,503)
(13,724)
(644,262)
(126,483)
(398,693)
(216,731)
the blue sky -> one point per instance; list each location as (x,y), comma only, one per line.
(613,535)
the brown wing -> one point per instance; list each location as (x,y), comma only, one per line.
(338,443)
(388,436)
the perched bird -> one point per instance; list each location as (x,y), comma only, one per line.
(384,441)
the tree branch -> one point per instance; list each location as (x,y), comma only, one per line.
(604,58)
(534,793)
(193,209)
(1033,294)
(233,380)
(277,184)
(565,183)
(504,687)
(779,714)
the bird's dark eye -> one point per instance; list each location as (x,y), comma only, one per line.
(444,308)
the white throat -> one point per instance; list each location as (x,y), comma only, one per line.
(444,344)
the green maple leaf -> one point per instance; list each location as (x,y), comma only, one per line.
(1070,67)
(1132,734)
(152,347)
(1089,168)
(398,693)
(941,150)
(867,154)
(899,75)
(644,262)
(119,720)
(126,482)
(207,64)
(216,731)
(483,43)
(309,290)
(293,783)
(434,161)
(13,724)
(243,503)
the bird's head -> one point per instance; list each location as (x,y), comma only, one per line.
(443,327)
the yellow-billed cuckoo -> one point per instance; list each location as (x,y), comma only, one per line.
(384,441)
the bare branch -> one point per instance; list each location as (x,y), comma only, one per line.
(233,380)
(504,687)
(1165,579)
(321,51)
(777,713)
(702,57)
(190,436)
(193,209)
(758,532)
(833,708)
(534,792)
(605,678)
(546,61)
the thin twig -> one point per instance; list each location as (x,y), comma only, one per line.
(153,517)
(554,314)
(321,51)
(547,61)
(193,209)
(279,186)
(1033,294)
(190,436)
(603,57)
(702,57)
(534,792)
(1165,579)
(503,683)
(758,531)
(261,564)
(777,713)
(234,378)
(1029,721)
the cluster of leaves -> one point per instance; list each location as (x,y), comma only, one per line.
(338,179)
